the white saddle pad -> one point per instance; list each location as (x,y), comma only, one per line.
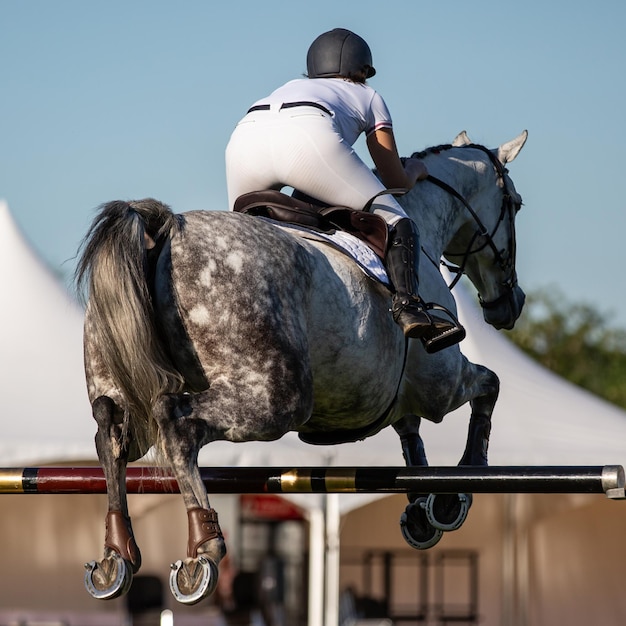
(369,262)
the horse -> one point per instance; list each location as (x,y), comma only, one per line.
(215,325)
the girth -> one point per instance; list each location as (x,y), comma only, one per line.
(276,205)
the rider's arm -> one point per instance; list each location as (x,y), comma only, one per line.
(382,148)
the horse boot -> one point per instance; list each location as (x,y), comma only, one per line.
(408,309)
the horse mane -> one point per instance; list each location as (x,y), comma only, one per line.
(433,150)
(448,146)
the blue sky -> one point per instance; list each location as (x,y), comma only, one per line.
(108,100)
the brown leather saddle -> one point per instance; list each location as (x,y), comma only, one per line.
(276,205)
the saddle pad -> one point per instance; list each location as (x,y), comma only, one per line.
(355,248)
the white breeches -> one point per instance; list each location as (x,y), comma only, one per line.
(299,147)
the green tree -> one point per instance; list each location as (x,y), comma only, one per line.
(575,341)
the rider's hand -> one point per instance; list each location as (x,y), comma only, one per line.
(415,170)
(394,172)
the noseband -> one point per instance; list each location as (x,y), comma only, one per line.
(504,258)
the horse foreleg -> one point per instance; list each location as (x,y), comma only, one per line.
(182,436)
(412,445)
(477,446)
(416,528)
(449,511)
(112,576)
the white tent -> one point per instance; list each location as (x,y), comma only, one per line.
(45,411)
(539,418)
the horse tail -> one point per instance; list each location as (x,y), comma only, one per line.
(114,267)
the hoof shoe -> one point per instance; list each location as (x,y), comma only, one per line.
(417,531)
(193,580)
(109,578)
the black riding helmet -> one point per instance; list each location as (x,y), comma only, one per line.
(339,52)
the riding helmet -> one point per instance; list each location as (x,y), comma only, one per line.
(339,52)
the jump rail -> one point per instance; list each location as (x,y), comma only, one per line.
(607,479)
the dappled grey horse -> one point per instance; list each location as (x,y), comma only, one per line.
(213,325)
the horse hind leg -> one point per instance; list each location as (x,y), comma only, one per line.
(415,526)
(113,575)
(182,436)
(227,410)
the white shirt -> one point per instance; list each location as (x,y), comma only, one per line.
(356,107)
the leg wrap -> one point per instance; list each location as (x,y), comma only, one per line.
(477,446)
(203,526)
(119,538)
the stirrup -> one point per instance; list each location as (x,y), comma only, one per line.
(434,340)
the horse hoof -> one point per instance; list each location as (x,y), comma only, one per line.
(108,579)
(193,580)
(448,511)
(416,529)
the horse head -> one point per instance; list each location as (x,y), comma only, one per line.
(484,245)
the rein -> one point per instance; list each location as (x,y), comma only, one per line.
(506,260)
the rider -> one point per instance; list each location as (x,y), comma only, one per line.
(301,136)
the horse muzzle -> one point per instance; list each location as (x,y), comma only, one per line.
(503,312)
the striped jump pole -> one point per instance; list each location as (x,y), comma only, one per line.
(607,479)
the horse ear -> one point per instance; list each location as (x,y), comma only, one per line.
(461,140)
(508,151)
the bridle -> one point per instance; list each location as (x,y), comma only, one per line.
(504,258)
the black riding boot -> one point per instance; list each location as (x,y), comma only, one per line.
(409,311)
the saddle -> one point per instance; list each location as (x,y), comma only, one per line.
(276,205)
